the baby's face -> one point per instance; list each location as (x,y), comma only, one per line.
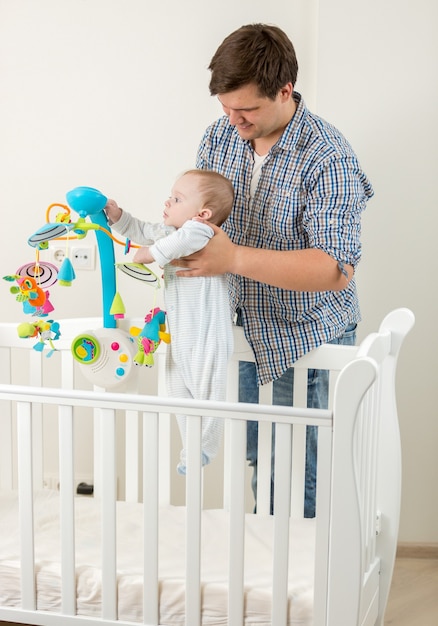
(184,203)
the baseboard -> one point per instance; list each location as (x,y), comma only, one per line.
(410,550)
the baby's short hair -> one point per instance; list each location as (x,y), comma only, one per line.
(217,193)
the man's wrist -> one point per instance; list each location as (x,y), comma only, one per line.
(237,263)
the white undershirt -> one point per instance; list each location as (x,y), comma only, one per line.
(256,171)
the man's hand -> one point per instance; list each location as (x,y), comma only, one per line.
(216,258)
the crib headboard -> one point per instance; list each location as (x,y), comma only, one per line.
(358,495)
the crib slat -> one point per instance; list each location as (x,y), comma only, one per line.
(193,521)
(164,458)
(6,463)
(237,522)
(150,528)
(264,456)
(282,487)
(323,496)
(131,456)
(36,380)
(165,434)
(25,498)
(227,465)
(67,510)
(298,470)
(264,467)
(232,396)
(108,512)
(299,445)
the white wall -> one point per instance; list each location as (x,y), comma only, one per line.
(377,81)
(114,95)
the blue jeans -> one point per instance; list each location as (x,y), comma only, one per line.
(317,397)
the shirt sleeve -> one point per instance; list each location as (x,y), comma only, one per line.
(191,237)
(332,215)
(140,232)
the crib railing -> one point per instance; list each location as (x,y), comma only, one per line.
(19,363)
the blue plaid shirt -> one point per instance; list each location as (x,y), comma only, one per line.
(311,194)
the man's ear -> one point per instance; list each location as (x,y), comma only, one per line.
(205,214)
(286,92)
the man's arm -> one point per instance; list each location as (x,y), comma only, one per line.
(296,270)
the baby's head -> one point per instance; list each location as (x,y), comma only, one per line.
(199,193)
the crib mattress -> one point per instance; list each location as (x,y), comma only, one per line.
(214,566)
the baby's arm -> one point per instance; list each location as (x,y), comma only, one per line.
(192,236)
(138,231)
(143,255)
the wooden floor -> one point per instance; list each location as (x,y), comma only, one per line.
(413,599)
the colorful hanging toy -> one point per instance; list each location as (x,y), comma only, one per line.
(46,331)
(35,300)
(30,279)
(150,337)
(107,353)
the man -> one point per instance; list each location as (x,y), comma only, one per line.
(292,242)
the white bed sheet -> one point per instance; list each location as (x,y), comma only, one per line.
(258,562)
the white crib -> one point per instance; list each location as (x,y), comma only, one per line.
(110,559)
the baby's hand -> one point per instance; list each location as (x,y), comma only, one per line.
(113,211)
(143,256)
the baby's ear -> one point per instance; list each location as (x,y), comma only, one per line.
(205,214)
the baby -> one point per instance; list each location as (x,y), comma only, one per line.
(198,311)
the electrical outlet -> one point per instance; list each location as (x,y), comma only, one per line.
(83,257)
(57,253)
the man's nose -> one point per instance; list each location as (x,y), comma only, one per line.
(235,117)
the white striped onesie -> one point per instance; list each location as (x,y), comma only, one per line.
(199,320)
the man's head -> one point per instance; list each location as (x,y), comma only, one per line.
(199,193)
(253,74)
(256,53)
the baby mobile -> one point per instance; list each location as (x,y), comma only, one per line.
(105,355)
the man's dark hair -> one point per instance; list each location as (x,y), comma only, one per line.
(256,53)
